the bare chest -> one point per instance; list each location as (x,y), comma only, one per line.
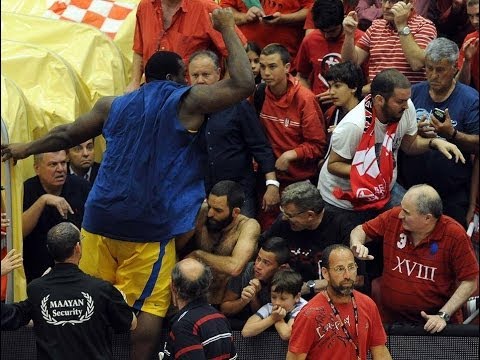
(219,244)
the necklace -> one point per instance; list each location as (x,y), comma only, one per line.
(339,319)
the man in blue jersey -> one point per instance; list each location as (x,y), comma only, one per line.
(150,184)
(459,105)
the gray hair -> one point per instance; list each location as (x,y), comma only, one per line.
(304,196)
(208,54)
(189,289)
(61,240)
(37,158)
(472,2)
(427,200)
(440,49)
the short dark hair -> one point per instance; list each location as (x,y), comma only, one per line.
(161,64)
(190,289)
(304,195)
(253,46)
(288,281)
(208,54)
(327,13)
(328,250)
(349,73)
(386,81)
(279,247)
(232,190)
(279,49)
(61,241)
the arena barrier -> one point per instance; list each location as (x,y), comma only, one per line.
(457,342)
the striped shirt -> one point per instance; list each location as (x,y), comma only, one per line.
(382,42)
(198,331)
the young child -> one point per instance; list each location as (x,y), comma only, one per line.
(253,52)
(286,303)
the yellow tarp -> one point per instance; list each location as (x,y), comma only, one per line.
(16,114)
(48,82)
(123,39)
(92,54)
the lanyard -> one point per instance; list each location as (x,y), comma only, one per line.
(345,330)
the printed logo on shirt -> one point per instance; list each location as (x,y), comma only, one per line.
(329,328)
(326,62)
(412,268)
(402,242)
(67,311)
(420,112)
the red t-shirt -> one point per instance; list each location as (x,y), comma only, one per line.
(295,122)
(347,7)
(422,277)
(475,60)
(316,330)
(316,55)
(289,35)
(191,30)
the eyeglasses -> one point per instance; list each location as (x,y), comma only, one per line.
(291,216)
(340,269)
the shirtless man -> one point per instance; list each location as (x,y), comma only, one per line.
(225,239)
(137,214)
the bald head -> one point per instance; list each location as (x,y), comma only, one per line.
(426,199)
(191,279)
(191,269)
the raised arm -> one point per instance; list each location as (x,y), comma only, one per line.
(62,137)
(137,72)
(204,99)
(414,53)
(350,52)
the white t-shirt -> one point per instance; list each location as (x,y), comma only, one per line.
(345,140)
(267,309)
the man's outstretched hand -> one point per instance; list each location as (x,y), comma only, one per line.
(15,151)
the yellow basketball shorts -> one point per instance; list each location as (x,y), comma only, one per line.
(142,271)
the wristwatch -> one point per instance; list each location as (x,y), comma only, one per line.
(405,31)
(311,286)
(444,316)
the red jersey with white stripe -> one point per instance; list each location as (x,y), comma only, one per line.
(295,122)
(382,42)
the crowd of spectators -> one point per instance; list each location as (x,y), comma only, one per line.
(363,125)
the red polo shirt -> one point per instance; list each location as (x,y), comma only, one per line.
(421,277)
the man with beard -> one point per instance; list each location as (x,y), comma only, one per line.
(369,138)
(225,239)
(338,323)
(430,269)
(308,229)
